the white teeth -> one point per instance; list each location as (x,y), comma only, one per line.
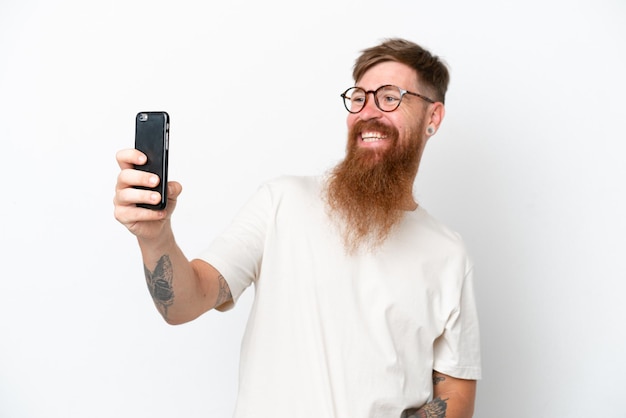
(372,136)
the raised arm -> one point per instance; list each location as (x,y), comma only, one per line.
(181,290)
(452,398)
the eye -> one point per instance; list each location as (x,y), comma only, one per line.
(389,96)
(389,99)
(357,98)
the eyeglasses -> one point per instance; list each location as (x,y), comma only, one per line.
(387,98)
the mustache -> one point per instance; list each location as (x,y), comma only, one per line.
(373,125)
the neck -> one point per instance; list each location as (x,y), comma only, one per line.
(408,204)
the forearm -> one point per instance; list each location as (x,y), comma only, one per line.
(453,404)
(177,291)
(446,407)
(181,290)
(452,398)
(437,408)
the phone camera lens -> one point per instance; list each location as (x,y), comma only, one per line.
(143,117)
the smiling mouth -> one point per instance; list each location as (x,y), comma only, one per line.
(372,136)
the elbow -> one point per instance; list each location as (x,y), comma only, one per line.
(177,318)
(173,321)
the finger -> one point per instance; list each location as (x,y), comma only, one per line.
(131,178)
(128,158)
(131,196)
(174,189)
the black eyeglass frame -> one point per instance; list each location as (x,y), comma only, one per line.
(374,93)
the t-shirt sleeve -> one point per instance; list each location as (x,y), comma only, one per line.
(457,350)
(237,253)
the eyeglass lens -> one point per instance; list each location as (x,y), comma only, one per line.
(387,98)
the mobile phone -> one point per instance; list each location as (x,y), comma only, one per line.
(152,138)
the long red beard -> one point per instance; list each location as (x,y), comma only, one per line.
(366,191)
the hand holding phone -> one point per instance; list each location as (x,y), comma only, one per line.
(152,138)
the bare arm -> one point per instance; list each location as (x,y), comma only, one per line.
(181,290)
(452,398)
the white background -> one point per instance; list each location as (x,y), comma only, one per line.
(528,166)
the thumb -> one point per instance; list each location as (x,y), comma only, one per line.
(174,189)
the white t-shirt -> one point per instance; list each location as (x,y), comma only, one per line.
(337,336)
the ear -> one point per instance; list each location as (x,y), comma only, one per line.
(434,117)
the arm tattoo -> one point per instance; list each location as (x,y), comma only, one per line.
(160,284)
(224,294)
(437,380)
(433,409)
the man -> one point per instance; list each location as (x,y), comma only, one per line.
(364,303)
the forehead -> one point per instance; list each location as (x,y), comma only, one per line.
(389,72)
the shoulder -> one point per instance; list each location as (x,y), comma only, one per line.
(437,234)
(435,226)
(289,186)
(292,200)
(293,183)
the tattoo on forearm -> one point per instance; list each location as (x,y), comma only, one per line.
(160,284)
(224,294)
(433,409)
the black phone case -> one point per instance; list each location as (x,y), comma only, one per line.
(152,138)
